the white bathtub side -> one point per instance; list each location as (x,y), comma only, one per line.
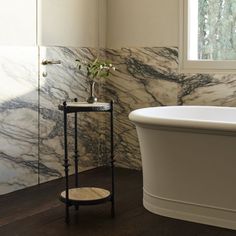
(189,175)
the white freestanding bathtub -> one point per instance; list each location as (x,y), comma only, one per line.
(189,162)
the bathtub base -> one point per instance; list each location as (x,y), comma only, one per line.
(188,162)
(189,211)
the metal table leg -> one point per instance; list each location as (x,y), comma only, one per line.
(66,165)
(76,152)
(112,163)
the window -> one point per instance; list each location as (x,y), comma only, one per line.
(208,35)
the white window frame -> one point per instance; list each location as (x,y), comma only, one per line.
(197,66)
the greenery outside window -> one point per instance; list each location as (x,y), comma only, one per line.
(208,35)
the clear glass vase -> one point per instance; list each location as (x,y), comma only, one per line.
(92,98)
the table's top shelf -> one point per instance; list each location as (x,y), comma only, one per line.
(84,106)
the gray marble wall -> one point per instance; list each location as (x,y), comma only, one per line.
(18,118)
(149,77)
(31,127)
(65,82)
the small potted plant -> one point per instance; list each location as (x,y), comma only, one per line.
(94,70)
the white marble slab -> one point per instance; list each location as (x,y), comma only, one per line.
(148,77)
(18,118)
(65,82)
(144,77)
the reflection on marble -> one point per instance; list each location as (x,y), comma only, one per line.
(18,118)
(65,82)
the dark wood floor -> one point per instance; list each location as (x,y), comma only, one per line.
(36,211)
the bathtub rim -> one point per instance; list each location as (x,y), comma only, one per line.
(189,125)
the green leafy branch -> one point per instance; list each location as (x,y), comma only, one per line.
(96,68)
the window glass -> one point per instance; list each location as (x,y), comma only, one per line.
(212,28)
(208,35)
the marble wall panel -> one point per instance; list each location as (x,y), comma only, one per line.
(64,83)
(213,89)
(149,77)
(18,118)
(144,77)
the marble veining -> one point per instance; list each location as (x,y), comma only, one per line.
(18,118)
(31,127)
(65,82)
(149,77)
(144,77)
(215,89)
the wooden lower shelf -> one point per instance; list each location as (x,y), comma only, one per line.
(86,196)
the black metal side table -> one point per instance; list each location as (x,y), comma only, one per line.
(85,195)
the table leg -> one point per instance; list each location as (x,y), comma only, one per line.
(66,165)
(112,163)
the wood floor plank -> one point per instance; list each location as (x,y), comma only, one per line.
(42,214)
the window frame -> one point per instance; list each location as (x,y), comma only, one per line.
(197,66)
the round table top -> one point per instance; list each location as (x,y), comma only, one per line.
(85,106)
